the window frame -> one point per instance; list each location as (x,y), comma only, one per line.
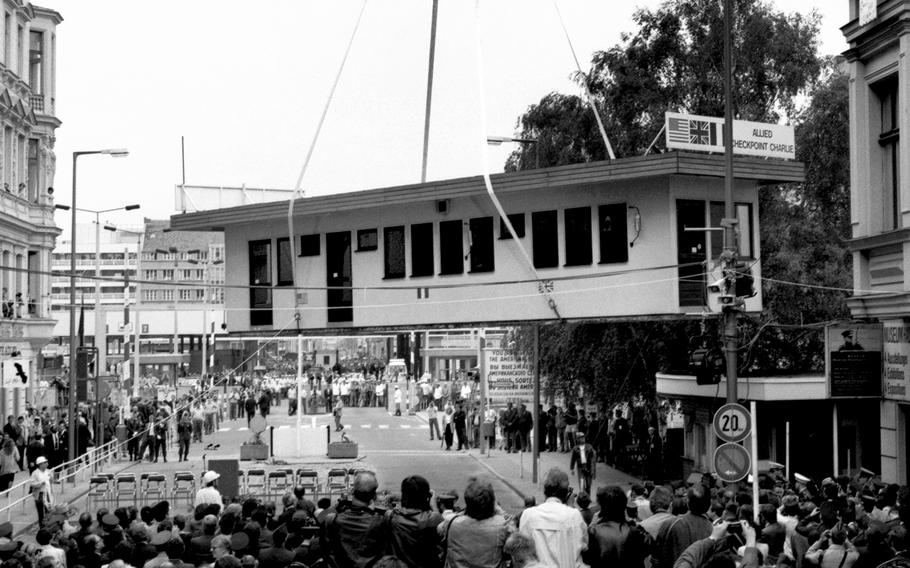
(618,231)
(419,266)
(398,233)
(542,256)
(518,223)
(578,250)
(486,226)
(283,242)
(451,263)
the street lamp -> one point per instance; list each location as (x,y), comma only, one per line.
(116,153)
(499,140)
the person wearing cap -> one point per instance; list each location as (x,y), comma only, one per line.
(209,494)
(160,541)
(41,488)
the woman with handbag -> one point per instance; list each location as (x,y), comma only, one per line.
(9,463)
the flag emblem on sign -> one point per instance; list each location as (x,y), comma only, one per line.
(686,131)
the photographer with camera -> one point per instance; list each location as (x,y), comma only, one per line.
(833,549)
(719,549)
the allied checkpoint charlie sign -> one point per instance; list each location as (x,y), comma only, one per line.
(705,133)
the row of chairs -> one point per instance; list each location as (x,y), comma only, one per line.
(150,487)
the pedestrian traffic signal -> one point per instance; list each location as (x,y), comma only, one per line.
(744,282)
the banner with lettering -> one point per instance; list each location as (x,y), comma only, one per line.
(854,360)
(897,359)
(509,377)
(705,134)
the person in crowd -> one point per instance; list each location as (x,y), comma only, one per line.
(209,494)
(448,428)
(476,537)
(42,489)
(397,400)
(413,535)
(659,501)
(584,461)
(524,425)
(433,421)
(53,446)
(184,436)
(521,550)
(356,533)
(336,413)
(558,530)
(614,541)
(459,419)
(9,463)
(677,534)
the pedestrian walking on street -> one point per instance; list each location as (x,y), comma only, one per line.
(433,421)
(41,489)
(460,421)
(447,426)
(397,401)
(585,459)
(336,412)
(184,434)
(9,463)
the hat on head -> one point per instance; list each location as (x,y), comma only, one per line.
(239,541)
(40,460)
(109,521)
(210,476)
(800,478)
(161,538)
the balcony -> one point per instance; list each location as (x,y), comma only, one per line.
(42,104)
(40,214)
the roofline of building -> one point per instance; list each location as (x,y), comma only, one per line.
(766,171)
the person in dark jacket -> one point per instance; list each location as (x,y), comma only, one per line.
(460,419)
(356,534)
(612,540)
(414,538)
(250,406)
(525,423)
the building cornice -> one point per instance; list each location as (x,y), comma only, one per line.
(48,14)
(556,178)
(880,34)
(895,237)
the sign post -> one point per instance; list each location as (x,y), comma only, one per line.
(731,462)
(732,423)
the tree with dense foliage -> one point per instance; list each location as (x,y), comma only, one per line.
(674,62)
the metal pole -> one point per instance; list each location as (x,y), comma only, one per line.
(176,333)
(71,407)
(787,448)
(426,120)
(484,390)
(100,331)
(299,392)
(205,321)
(535,414)
(754,443)
(731,333)
(835,439)
(136,323)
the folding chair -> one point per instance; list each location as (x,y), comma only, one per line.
(256,481)
(126,485)
(309,480)
(336,481)
(99,491)
(184,487)
(155,487)
(278,482)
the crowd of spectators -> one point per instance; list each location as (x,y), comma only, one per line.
(839,523)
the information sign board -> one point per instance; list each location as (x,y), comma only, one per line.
(705,133)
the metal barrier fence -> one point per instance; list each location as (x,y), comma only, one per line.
(83,466)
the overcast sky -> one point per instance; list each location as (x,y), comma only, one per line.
(245,84)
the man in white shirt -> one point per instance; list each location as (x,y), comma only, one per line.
(47,550)
(397,401)
(209,494)
(559,531)
(41,488)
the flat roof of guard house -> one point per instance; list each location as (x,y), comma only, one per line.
(765,171)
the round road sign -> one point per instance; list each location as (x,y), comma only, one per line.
(731,462)
(732,423)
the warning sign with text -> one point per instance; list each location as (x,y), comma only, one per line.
(509,377)
(897,359)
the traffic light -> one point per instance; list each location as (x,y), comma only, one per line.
(20,373)
(706,365)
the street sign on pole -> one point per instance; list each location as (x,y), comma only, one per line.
(732,423)
(732,462)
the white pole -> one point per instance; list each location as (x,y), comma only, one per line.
(834,439)
(754,452)
(299,391)
(136,314)
(205,323)
(787,449)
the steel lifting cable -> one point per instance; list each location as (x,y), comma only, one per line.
(551,303)
(309,154)
(584,84)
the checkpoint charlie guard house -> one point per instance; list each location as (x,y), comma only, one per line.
(607,239)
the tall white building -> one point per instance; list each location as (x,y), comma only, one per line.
(27,165)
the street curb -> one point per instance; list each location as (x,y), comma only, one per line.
(500,477)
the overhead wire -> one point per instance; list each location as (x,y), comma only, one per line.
(487,182)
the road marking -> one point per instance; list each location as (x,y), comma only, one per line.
(242,429)
(384,426)
(284,426)
(405,425)
(366,425)
(224,429)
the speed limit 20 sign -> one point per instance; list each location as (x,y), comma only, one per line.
(732,423)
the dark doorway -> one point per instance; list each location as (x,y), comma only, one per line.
(338,277)
(691,252)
